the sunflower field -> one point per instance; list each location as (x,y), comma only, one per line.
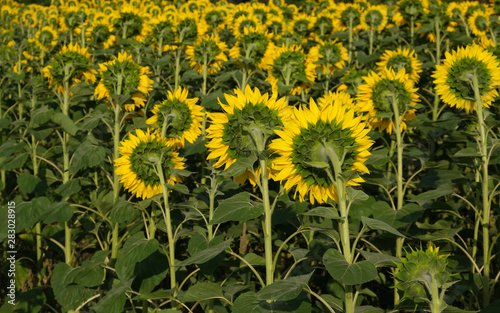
(292,156)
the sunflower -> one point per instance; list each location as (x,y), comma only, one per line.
(209,51)
(410,9)
(303,24)
(246,126)
(136,164)
(331,55)
(189,28)
(163,32)
(453,78)
(100,34)
(376,96)
(131,23)
(183,118)
(323,25)
(479,23)
(215,18)
(401,58)
(124,72)
(46,38)
(242,22)
(374,18)
(70,57)
(252,45)
(348,13)
(290,66)
(307,140)
(275,25)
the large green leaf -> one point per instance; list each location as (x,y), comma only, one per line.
(203,291)
(431,195)
(114,300)
(69,294)
(207,254)
(325,212)
(409,213)
(380,259)
(30,301)
(69,188)
(123,211)
(348,273)
(379,225)
(284,290)
(87,155)
(91,272)
(240,166)
(249,303)
(40,116)
(27,182)
(66,123)
(237,208)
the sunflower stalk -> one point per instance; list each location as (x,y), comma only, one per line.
(65,139)
(483,151)
(351,39)
(116,178)
(165,209)
(336,176)
(435,109)
(399,178)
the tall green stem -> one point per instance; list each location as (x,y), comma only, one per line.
(344,221)
(483,150)
(399,177)
(212,192)
(65,140)
(268,244)
(435,109)
(116,178)
(178,67)
(168,225)
(351,39)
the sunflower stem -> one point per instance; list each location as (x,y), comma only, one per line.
(371,41)
(268,244)
(116,179)
(351,21)
(168,225)
(205,74)
(399,178)
(483,151)
(435,109)
(464,22)
(211,195)
(177,67)
(344,220)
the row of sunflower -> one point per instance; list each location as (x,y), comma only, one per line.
(130,130)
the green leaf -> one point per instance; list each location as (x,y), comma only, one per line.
(27,182)
(325,212)
(253,259)
(379,225)
(91,272)
(69,188)
(180,188)
(248,303)
(155,295)
(93,120)
(237,208)
(114,300)
(467,152)
(11,147)
(87,155)
(65,122)
(348,273)
(14,162)
(409,213)
(203,291)
(207,254)
(123,211)
(240,166)
(30,301)
(59,212)
(4,123)
(211,101)
(356,195)
(284,290)
(41,116)
(380,259)
(432,195)
(67,293)
(136,249)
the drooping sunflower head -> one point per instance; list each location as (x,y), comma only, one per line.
(189,28)
(207,51)
(242,22)
(380,91)
(411,9)
(180,116)
(456,10)
(315,138)
(331,55)
(348,15)
(323,25)
(72,63)
(101,34)
(303,24)
(374,18)
(399,59)
(216,18)
(479,23)
(292,67)
(275,25)
(252,45)
(454,77)
(46,38)
(138,164)
(246,126)
(163,32)
(131,22)
(124,77)
(489,45)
